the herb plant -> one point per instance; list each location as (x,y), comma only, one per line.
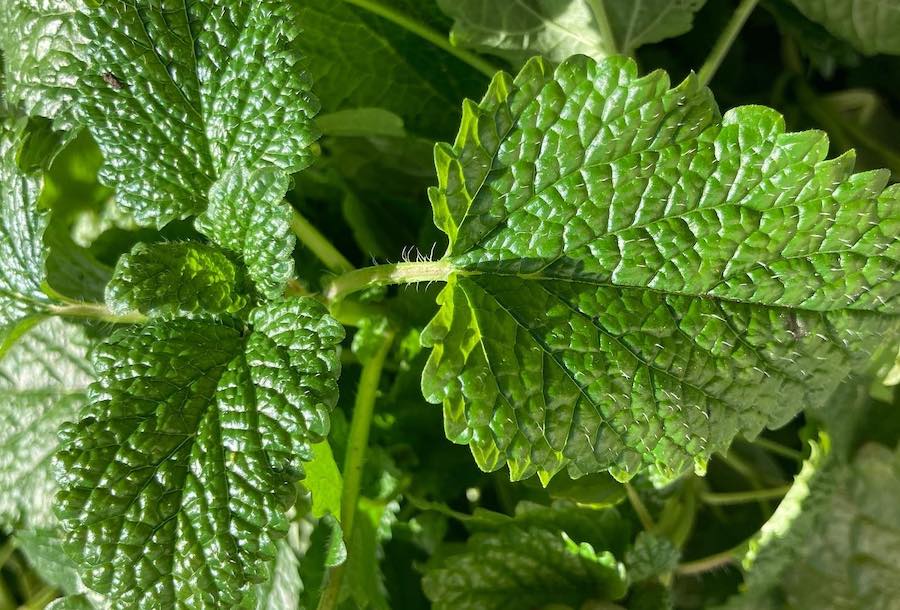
(663,336)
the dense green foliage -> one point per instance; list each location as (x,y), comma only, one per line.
(657,298)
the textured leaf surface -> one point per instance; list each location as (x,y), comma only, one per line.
(638,279)
(526,564)
(42,55)
(834,543)
(557,29)
(323,481)
(246,214)
(174,487)
(283,590)
(872,26)
(360,60)
(43,383)
(171,279)
(651,556)
(22,228)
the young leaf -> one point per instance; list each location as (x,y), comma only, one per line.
(179,99)
(524,567)
(42,56)
(872,26)
(178,279)
(43,383)
(324,482)
(246,214)
(557,29)
(174,486)
(635,279)
(651,556)
(22,227)
(284,588)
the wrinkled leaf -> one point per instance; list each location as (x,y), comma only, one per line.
(872,26)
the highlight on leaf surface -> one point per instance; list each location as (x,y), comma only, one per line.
(175,484)
(638,279)
(872,26)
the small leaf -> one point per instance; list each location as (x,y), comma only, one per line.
(361,122)
(283,590)
(177,279)
(557,29)
(43,383)
(636,279)
(872,26)
(324,482)
(175,484)
(247,214)
(651,556)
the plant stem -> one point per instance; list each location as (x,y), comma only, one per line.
(382,275)
(706,564)
(324,250)
(354,461)
(726,39)
(97,311)
(423,31)
(638,505)
(742,497)
(778,449)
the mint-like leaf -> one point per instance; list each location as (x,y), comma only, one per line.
(22,227)
(174,486)
(42,56)
(557,29)
(872,26)
(43,383)
(637,279)
(176,279)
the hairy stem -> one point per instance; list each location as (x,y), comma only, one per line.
(427,33)
(742,497)
(726,39)
(778,449)
(96,311)
(354,460)
(324,250)
(383,275)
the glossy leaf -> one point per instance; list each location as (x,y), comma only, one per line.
(43,383)
(557,29)
(637,279)
(171,279)
(174,486)
(872,26)
(42,56)
(22,227)
(283,590)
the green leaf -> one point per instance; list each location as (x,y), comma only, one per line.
(42,56)
(71,602)
(872,26)
(360,60)
(43,383)
(180,97)
(324,482)
(557,29)
(246,214)
(44,550)
(651,556)
(283,590)
(22,227)
(175,484)
(361,122)
(524,567)
(635,279)
(835,544)
(177,279)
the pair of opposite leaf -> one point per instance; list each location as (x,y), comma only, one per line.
(635,280)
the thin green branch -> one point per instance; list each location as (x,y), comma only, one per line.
(425,32)
(726,39)
(383,275)
(96,311)
(778,449)
(707,564)
(742,497)
(640,508)
(324,250)
(355,459)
